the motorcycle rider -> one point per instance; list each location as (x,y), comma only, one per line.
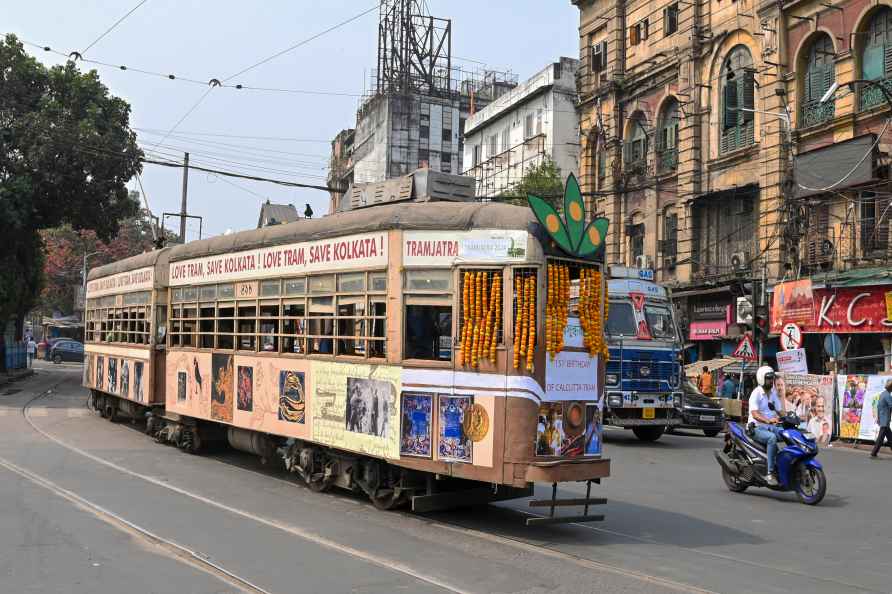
(764,407)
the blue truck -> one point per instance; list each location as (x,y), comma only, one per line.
(644,373)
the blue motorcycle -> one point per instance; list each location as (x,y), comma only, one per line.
(745,464)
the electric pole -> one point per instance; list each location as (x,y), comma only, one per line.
(185,191)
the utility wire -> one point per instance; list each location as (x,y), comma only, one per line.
(243,176)
(303,42)
(110,29)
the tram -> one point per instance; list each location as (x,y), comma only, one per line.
(416,352)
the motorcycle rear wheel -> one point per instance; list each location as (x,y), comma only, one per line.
(811,484)
(734,483)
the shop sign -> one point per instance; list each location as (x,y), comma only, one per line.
(792,361)
(710,311)
(140,279)
(845,311)
(355,251)
(708,330)
(446,248)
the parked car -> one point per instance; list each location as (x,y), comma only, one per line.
(67,350)
(700,411)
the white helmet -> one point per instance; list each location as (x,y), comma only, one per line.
(762,372)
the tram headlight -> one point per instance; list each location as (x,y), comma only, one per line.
(614,399)
(612,379)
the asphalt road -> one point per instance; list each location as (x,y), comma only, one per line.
(91,506)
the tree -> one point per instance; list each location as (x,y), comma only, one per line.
(66,153)
(64,260)
(543,180)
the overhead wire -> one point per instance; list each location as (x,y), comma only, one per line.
(115,24)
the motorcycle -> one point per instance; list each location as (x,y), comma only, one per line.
(744,462)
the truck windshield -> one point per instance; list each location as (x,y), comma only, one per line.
(659,319)
(621,320)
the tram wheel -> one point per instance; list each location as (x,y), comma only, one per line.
(318,485)
(387,499)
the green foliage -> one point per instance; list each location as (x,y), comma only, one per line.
(66,153)
(543,180)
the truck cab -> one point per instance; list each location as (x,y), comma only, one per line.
(644,373)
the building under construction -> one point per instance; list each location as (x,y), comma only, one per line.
(415,114)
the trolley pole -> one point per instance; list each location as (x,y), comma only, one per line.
(185,192)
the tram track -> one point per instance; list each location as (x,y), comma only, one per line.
(392,564)
(184,552)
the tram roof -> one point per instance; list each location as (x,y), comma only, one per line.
(143,260)
(426,216)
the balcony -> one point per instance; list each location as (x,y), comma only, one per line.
(815,113)
(667,160)
(872,95)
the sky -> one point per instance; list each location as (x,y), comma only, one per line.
(290,132)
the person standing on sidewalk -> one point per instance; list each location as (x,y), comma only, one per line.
(884,412)
(31,347)
(705,384)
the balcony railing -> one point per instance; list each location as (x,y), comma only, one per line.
(815,112)
(667,160)
(872,95)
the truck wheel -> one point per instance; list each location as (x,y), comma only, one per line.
(648,432)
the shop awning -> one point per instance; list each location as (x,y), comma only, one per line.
(725,364)
(858,277)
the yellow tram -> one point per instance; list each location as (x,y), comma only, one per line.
(416,352)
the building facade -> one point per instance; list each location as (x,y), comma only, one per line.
(706,143)
(522,128)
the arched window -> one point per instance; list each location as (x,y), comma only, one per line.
(667,139)
(636,145)
(819,75)
(876,56)
(738,85)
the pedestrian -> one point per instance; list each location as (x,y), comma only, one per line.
(729,387)
(704,382)
(31,347)
(884,412)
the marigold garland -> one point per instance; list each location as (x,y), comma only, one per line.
(481,301)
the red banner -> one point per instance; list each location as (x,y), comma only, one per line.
(848,310)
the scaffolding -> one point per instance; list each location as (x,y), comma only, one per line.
(501,172)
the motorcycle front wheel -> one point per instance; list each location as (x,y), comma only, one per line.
(811,484)
(734,483)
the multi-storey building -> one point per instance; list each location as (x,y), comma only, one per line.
(534,122)
(706,143)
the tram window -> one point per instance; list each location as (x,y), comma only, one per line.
(270,288)
(190,293)
(247,323)
(293,326)
(295,286)
(378,329)
(322,284)
(175,326)
(378,281)
(321,324)
(208,293)
(485,279)
(225,291)
(206,326)
(189,325)
(269,327)
(351,325)
(351,283)
(429,332)
(225,326)
(429,280)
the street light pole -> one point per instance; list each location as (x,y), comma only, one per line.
(851,85)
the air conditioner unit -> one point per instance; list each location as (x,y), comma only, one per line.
(642,262)
(740,260)
(827,248)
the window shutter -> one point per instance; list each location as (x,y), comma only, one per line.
(729,118)
(887,60)
(827,77)
(873,66)
(633,35)
(749,95)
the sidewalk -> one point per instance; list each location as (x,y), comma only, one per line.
(14,375)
